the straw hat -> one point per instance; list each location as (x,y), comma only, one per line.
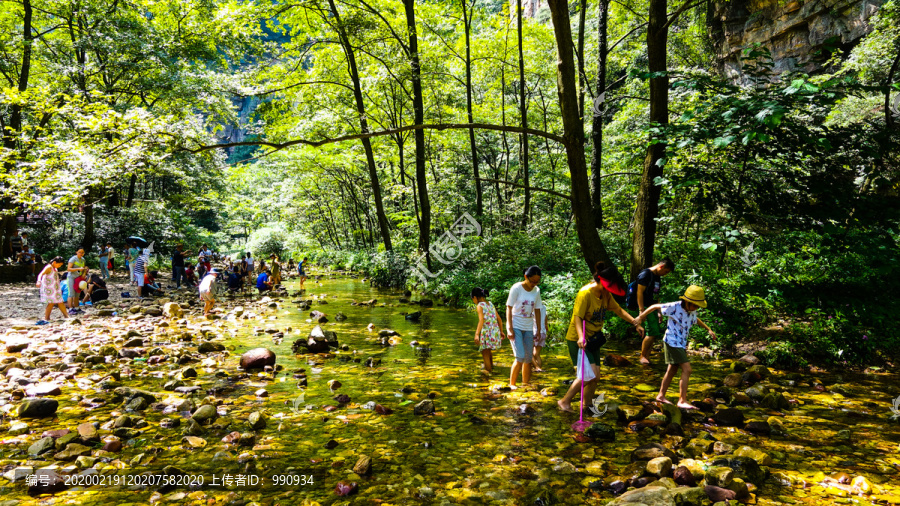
(694,294)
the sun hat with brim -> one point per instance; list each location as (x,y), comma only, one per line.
(612,281)
(695,295)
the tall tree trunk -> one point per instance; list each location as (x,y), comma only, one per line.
(523,110)
(131,184)
(467,23)
(87,242)
(597,121)
(14,128)
(592,248)
(364,128)
(582,11)
(647,208)
(419,117)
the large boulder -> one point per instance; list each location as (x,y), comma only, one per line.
(38,408)
(257,358)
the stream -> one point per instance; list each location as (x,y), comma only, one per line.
(805,438)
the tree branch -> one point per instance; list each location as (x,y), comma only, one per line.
(685,6)
(551,192)
(368,135)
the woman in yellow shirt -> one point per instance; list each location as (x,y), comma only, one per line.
(591,305)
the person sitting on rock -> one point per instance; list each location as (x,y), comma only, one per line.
(151,287)
(190,279)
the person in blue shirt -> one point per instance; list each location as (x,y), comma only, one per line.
(301,270)
(263,282)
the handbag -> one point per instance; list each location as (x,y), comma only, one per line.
(595,340)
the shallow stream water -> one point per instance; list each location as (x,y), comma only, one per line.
(480,446)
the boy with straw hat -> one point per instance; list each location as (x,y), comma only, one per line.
(682,316)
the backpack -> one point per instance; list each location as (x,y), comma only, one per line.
(631,294)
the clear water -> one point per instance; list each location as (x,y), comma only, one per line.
(501,456)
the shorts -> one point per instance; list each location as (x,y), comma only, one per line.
(575,350)
(675,356)
(523,345)
(139,278)
(207,296)
(70,283)
(651,324)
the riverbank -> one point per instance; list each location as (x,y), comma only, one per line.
(406,416)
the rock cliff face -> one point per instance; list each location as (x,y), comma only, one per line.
(794,31)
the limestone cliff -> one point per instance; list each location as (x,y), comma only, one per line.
(793,31)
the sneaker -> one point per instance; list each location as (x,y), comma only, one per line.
(42,322)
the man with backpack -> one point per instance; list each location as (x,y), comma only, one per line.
(643,292)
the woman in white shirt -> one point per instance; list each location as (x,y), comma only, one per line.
(521,314)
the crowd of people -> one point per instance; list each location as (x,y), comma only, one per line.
(526,327)
(69,285)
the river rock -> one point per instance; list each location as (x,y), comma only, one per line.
(756,392)
(719,476)
(600,432)
(256,420)
(719,494)
(651,451)
(722,448)
(38,408)
(73,451)
(613,360)
(88,433)
(733,380)
(744,468)
(363,465)
(749,359)
(388,333)
(672,412)
(729,417)
(696,448)
(683,476)
(43,445)
(758,427)
(775,400)
(626,414)
(426,407)
(18,428)
(47,481)
(172,310)
(257,358)
(762,370)
(318,317)
(42,389)
(649,496)
(413,317)
(340,317)
(205,414)
(660,467)
(210,347)
(344,488)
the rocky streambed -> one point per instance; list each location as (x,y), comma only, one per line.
(344,394)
